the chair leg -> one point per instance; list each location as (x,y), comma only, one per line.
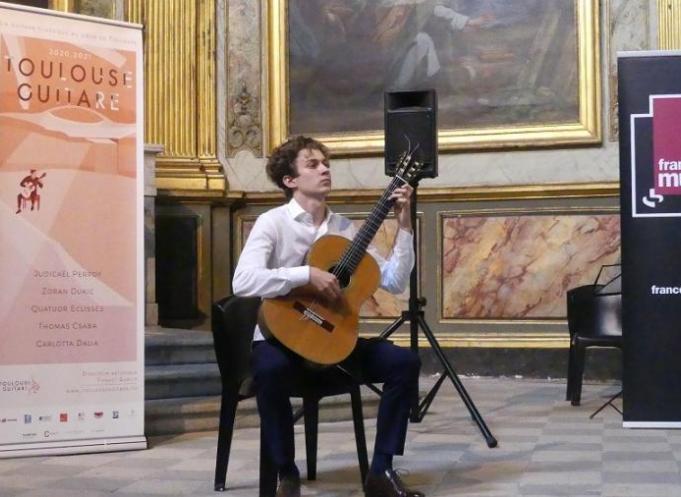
(268,472)
(579,360)
(570,372)
(311,408)
(226,427)
(360,438)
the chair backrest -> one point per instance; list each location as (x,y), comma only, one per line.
(592,314)
(233,322)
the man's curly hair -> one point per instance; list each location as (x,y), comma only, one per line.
(281,162)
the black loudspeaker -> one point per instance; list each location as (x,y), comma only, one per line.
(411,120)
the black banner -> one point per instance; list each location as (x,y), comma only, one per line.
(650,190)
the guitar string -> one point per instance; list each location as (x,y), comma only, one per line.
(348,259)
(353,255)
(404,161)
(355,251)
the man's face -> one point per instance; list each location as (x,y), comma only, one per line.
(314,174)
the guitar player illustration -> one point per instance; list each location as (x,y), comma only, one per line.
(29,191)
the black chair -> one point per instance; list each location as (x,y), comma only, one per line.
(233,322)
(594,320)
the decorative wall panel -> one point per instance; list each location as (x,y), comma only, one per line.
(244,100)
(517,266)
(383,304)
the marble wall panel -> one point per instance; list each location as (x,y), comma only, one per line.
(518,267)
(383,304)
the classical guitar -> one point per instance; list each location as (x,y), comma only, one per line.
(325,332)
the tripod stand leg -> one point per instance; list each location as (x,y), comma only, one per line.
(393,326)
(415,317)
(428,399)
(415,411)
(491,441)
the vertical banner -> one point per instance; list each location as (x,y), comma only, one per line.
(71,239)
(650,176)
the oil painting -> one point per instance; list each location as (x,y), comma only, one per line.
(497,65)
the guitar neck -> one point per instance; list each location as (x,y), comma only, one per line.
(357,248)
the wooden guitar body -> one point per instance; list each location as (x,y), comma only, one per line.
(320,331)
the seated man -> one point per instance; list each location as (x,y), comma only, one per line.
(272,264)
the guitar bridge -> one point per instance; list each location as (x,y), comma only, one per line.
(308,313)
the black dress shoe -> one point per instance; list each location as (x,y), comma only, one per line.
(289,486)
(388,484)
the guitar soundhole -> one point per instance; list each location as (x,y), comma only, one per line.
(343,276)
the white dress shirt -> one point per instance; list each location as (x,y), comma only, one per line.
(272,262)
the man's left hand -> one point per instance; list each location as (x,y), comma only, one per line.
(402,197)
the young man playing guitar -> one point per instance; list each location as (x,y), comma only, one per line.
(272,264)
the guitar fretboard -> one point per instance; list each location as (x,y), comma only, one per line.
(357,248)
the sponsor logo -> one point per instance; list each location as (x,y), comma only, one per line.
(656,170)
(28,419)
(114,414)
(9,420)
(19,385)
(81,416)
(63,417)
(665,290)
(99,414)
(45,418)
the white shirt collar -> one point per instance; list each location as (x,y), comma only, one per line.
(299,214)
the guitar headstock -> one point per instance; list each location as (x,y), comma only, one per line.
(407,168)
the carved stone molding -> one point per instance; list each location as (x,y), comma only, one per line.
(627,29)
(244,72)
(245,130)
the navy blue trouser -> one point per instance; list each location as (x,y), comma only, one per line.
(378,361)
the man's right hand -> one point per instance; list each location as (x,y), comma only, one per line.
(325,283)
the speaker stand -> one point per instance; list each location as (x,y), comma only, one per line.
(417,321)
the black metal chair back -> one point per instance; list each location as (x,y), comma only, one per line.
(233,323)
(592,314)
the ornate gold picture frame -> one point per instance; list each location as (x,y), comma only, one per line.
(509,73)
(107,9)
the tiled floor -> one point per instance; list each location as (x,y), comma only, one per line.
(546,448)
